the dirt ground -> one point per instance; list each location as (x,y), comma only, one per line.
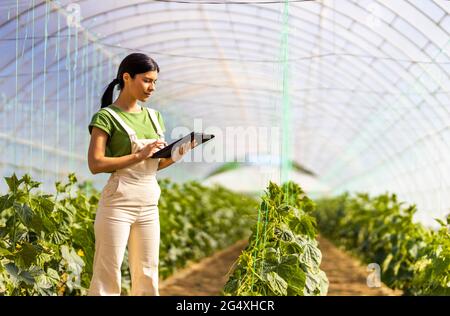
(346,275)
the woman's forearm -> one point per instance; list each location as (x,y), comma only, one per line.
(110,164)
(165,162)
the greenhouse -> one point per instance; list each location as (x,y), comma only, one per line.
(331,142)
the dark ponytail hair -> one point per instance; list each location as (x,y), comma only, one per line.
(135,63)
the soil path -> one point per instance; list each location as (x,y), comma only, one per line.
(347,276)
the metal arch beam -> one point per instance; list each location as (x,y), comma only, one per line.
(133,15)
(249,89)
(50,94)
(394,29)
(247,39)
(164,22)
(260,122)
(381,163)
(224,63)
(88,34)
(400,13)
(252,99)
(443,4)
(12,139)
(393,45)
(319,110)
(206,111)
(355,156)
(22,13)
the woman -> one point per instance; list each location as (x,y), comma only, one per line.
(124,136)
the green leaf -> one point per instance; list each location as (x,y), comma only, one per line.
(441,266)
(441,222)
(27,254)
(272,255)
(311,255)
(75,263)
(46,204)
(290,271)
(59,187)
(32,184)
(386,262)
(324,283)
(18,275)
(312,284)
(413,251)
(5,252)
(52,274)
(25,213)
(276,283)
(13,182)
(44,282)
(3,232)
(47,280)
(231,286)
(5,202)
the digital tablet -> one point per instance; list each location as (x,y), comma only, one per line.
(166,152)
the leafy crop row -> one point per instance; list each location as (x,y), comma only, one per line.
(47,242)
(381,230)
(282,257)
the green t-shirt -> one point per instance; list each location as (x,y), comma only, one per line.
(119,142)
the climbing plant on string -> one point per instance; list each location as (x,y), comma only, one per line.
(282,257)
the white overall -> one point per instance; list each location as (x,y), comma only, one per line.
(128,214)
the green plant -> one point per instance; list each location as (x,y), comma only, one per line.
(197,221)
(38,254)
(47,242)
(380,229)
(432,269)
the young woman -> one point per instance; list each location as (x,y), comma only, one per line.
(123,137)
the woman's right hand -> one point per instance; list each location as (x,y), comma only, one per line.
(150,149)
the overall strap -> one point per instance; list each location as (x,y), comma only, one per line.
(155,121)
(128,129)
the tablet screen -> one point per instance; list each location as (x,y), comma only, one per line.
(166,152)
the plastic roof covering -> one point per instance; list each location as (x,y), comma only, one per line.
(368,83)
